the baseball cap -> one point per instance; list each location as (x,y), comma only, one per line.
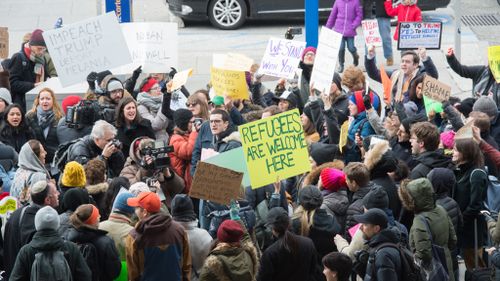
(146,200)
(373,216)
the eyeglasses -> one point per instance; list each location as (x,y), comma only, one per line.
(155,88)
(191,104)
(215,121)
(116,92)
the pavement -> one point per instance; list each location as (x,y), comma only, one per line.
(198,41)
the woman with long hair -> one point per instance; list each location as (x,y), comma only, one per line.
(470,192)
(198,106)
(415,93)
(14,130)
(130,124)
(43,119)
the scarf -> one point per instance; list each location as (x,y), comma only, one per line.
(153,103)
(39,63)
(45,118)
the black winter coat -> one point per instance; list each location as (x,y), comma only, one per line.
(109,258)
(385,265)
(335,117)
(49,240)
(127,135)
(17,137)
(255,196)
(86,149)
(392,191)
(278,264)
(51,142)
(428,161)
(66,134)
(356,206)
(452,208)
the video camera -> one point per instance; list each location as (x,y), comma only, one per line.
(159,152)
(86,112)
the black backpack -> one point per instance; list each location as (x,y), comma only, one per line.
(409,269)
(50,266)
(62,154)
(89,253)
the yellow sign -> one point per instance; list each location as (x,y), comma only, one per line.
(344,132)
(8,205)
(275,147)
(229,82)
(494,61)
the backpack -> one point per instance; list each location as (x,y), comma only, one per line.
(50,266)
(61,156)
(492,200)
(263,233)
(247,215)
(89,253)
(410,270)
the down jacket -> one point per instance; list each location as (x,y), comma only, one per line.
(180,159)
(404,13)
(345,17)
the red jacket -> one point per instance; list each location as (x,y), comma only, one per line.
(180,159)
(411,13)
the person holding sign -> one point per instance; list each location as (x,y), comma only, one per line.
(407,11)
(151,103)
(345,17)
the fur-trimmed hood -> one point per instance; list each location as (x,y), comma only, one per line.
(97,188)
(417,195)
(313,177)
(380,160)
(236,262)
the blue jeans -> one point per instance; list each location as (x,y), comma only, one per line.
(384,27)
(350,44)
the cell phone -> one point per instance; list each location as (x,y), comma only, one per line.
(198,121)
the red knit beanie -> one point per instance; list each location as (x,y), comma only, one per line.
(69,101)
(306,50)
(36,38)
(229,231)
(332,179)
(148,85)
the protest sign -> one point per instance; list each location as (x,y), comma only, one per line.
(180,78)
(229,82)
(274,147)
(326,59)
(215,183)
(371,33)
(232,159)
(465,132)
(281,58)
(153,45)
(436,90)
(4,42)
(494,61)
(239,62)
(178,100)
(413,35)
(8,205)
(432,105)
(95,44)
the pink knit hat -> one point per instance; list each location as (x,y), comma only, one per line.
(306,50)
(448,139)
(332,179)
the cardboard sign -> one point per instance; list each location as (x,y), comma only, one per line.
(215,183)
(180,78)
(232,159)
(229,82)
(326,59)
(95,44)
(4,42)
(371,33)
(275,147)
(465,132)
(413,35)
(436,90)
(494,61)
(152,45)
(281,57)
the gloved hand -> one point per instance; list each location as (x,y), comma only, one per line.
(137,72)
(234,210)
(367,102)
(91,79)
(172,72)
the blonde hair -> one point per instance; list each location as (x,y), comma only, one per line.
(58,112)
(306,219)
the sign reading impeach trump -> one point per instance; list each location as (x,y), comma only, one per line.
(94,44)
(275,147)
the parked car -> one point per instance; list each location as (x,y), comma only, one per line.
(231,14)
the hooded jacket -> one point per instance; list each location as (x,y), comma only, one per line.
(418,196)
(108,256)
(356,206)
(118,226)
(180,159)
(30,171)
(405,13)
(385,264)
(49,240)
(427,161)
(336,204)
(158,247)
(345,17)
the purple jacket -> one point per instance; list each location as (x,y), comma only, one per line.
(346,15)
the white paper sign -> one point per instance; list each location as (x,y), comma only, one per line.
(371,33)
(326,59)
(281,57)
(179,100)
(95,44)
(152,45)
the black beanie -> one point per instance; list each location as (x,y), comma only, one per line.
(443,180)
(182,208)
(101,75)
(182,117)
(465,106)
(308,112)
(337,80)
(408,121)
(376,198)
(323,153)
(73,198)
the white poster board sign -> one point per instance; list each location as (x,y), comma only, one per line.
(371,33)
(326,59)
(152,45)
(413,35)
(94,44)
(281,57)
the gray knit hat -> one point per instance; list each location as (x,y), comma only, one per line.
(5,95)
(46,218)
(487,105)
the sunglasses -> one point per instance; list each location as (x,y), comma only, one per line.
(190,104)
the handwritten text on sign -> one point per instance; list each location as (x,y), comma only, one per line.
(281,58)
(229,82)
(94,44)
(413,35)
(436,90)
(371,33)
(275,148)
(326,59)
(215,183)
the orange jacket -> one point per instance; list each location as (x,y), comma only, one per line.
(180,159)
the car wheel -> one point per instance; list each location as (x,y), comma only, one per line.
(227,14)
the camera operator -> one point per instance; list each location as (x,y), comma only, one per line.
(142,167)
(100,143)
(112,92)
